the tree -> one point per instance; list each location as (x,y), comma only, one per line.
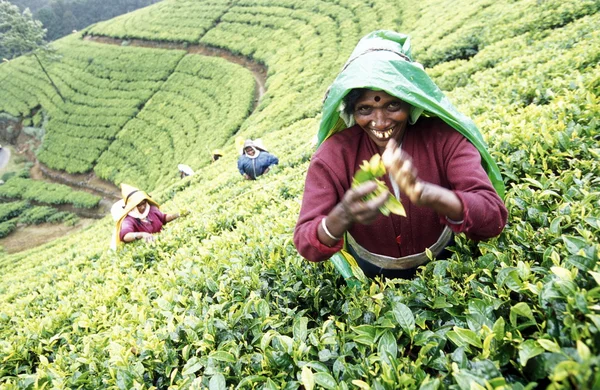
(20,34)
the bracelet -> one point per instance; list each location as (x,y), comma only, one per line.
(324,225)
(453,222)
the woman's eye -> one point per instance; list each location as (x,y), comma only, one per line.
(394,106)
(364,110)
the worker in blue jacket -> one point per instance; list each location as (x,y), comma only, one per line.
(255,160)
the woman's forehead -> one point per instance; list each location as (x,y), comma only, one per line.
(375,96)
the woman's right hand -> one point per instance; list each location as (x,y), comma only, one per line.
(352,209)
(356,209)
(147,237)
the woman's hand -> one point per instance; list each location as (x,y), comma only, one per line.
(421,193)
(147,237)
(352,209)
(358,210)
(132,236)
(171,217)
(402,170)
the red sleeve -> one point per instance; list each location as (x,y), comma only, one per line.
(485,214)
(321,195)
(159,214)
(127,226)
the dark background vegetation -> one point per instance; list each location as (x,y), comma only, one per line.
(61,17)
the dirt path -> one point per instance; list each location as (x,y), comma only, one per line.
(27,237)
(259,71)
(87,182)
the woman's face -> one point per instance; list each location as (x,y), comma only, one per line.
(141,207)
(381,116)
(249,151)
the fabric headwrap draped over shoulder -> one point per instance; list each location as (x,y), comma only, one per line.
(382,61)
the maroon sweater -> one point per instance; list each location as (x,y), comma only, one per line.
(441,156)
(155,221)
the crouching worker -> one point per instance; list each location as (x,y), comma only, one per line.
(255,160)
(137,216)
(216,154)
(184,170)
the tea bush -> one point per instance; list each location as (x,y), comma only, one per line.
(50,193)
(12,209)
(200,106)
(222,299)
(41,214)
(7,227)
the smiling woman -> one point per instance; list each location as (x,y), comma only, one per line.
(434,167)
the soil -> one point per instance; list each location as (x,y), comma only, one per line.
(27,237)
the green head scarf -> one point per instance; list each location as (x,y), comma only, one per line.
(382,61)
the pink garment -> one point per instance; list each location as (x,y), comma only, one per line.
(441,156)
(156,219)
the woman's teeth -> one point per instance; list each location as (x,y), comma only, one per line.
(383,134)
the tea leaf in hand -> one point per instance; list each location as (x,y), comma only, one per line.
(372,170)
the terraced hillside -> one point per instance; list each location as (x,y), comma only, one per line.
(223,300)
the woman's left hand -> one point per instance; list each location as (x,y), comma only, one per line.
(421,193)
(402,170)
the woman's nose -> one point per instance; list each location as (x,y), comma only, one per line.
(379,121)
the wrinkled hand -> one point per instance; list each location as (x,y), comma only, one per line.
(358,210)
(400,166)
(183,212)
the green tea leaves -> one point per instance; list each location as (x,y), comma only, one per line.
(373,170)
(405,318)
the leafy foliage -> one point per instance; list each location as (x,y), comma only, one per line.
(28,189)
(41,214)
(60,18)
(222,298)
(12,209)
(7,227)
(200,106)
(19,32)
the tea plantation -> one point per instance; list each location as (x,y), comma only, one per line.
(222,299)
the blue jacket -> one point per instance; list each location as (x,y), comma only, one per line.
(255,167)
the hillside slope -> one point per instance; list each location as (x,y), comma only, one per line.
(222,299)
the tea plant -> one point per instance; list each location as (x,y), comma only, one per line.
(50,193)
(222,298)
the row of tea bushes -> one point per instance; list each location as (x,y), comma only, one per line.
(462,33)
(170,20)
(103,88)
(49,193)
(41,214)
(22,212)
(223,300)
(14,213)
(116,96)
(199,107)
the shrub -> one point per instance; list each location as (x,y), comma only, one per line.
(12,209)
(7,227)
